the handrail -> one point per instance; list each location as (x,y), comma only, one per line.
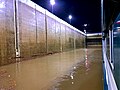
(109,75)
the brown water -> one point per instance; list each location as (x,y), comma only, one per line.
(87,75)
(73,70)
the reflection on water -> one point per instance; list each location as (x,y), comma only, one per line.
(45,72)
(87,62)
(86,76)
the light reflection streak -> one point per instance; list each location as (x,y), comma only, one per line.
(72,82)
(87,61)
(72,77)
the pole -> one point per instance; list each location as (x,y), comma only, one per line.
(70,21)
(52,8)
(85,38)
(16,28)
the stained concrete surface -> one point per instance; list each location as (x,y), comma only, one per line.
(74,70)
(29,30)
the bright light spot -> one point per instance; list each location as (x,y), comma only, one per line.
(74,67)
(84,31)
(71,76)
(70,16)
(118,22)
(52,2)
(17,53)
(8,75)
(2,5)
(85,25)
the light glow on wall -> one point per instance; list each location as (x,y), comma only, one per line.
(44,11)
(2,5)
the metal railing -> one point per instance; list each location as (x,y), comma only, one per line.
(109,78)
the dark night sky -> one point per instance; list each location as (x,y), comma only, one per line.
(83,11)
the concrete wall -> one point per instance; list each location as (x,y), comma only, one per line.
(28,30)
(7,34)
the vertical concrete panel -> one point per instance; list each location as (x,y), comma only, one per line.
(57,37)
(63,36)
(68,39)
(2,31)
(71,39)
(27,26)
(41,33)
(82,40)
(74,43)
(7,37)
(51,29)
(77,41)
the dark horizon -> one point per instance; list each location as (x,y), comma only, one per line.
(83,12)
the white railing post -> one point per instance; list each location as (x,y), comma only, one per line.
(16,29)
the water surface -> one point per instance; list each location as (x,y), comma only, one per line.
(74,70)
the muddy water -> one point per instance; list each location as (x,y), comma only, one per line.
(74,70)
(87,75)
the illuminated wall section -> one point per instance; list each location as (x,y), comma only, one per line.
(7,37)
(41,31)
(47,33)
(57,37)
(31,30)
(67,35)
(71,39)
(82,38)
(77,41)
(63,37)
(51,29)
(27,29)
